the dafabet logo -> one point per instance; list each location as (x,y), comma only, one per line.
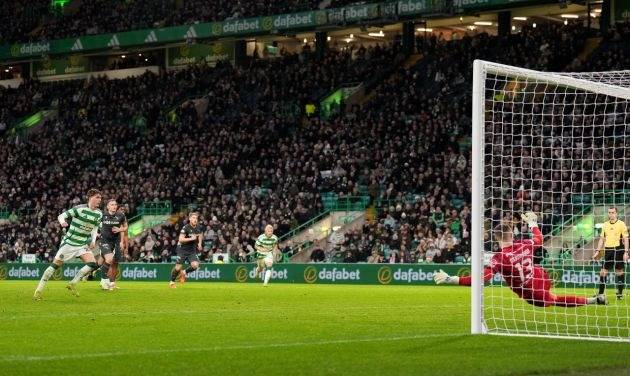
(241,274)
(384,275)
(310,274)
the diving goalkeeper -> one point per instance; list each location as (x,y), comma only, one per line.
(516,265)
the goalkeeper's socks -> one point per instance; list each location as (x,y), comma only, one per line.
(602,285)
(621,282)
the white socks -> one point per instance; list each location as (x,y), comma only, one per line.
(267,275)
(83,271)
(45,277)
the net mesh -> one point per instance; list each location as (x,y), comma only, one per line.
(557,145)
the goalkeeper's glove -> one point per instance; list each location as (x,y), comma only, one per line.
(441,277)
(530,218)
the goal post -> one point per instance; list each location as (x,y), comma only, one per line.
(557,144)
(478,103)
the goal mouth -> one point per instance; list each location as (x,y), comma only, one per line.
(556,145)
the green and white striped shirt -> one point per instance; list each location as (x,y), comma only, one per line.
(265,244)
(84,222)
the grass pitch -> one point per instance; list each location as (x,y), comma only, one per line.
(234,329)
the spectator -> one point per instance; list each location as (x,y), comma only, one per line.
(318,255)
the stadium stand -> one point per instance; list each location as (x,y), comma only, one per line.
(243,162)
(226,141)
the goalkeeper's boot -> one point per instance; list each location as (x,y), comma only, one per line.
(619,296)
(601,299)
(172,285)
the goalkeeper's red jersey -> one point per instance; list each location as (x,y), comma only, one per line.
(511,261)
(516,262)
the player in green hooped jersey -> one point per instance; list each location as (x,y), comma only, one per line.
(266,244)
(78,240)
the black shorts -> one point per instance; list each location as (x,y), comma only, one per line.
(186,254)
(111,247)
(613,258)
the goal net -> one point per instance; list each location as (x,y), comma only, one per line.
(556,144)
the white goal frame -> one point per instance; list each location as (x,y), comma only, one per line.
(481,69)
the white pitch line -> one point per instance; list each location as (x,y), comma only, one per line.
(31,358)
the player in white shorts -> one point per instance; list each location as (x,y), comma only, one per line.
(78,240)
(266,244)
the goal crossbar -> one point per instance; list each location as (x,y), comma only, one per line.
(561,79)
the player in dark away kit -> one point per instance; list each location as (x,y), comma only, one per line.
(113,243)
(190,239)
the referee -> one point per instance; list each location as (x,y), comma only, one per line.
(615,256)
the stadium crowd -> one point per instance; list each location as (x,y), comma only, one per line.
(429,180)
(242,164)
(18,19)
(134,164)
(37,20)
(612,55)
